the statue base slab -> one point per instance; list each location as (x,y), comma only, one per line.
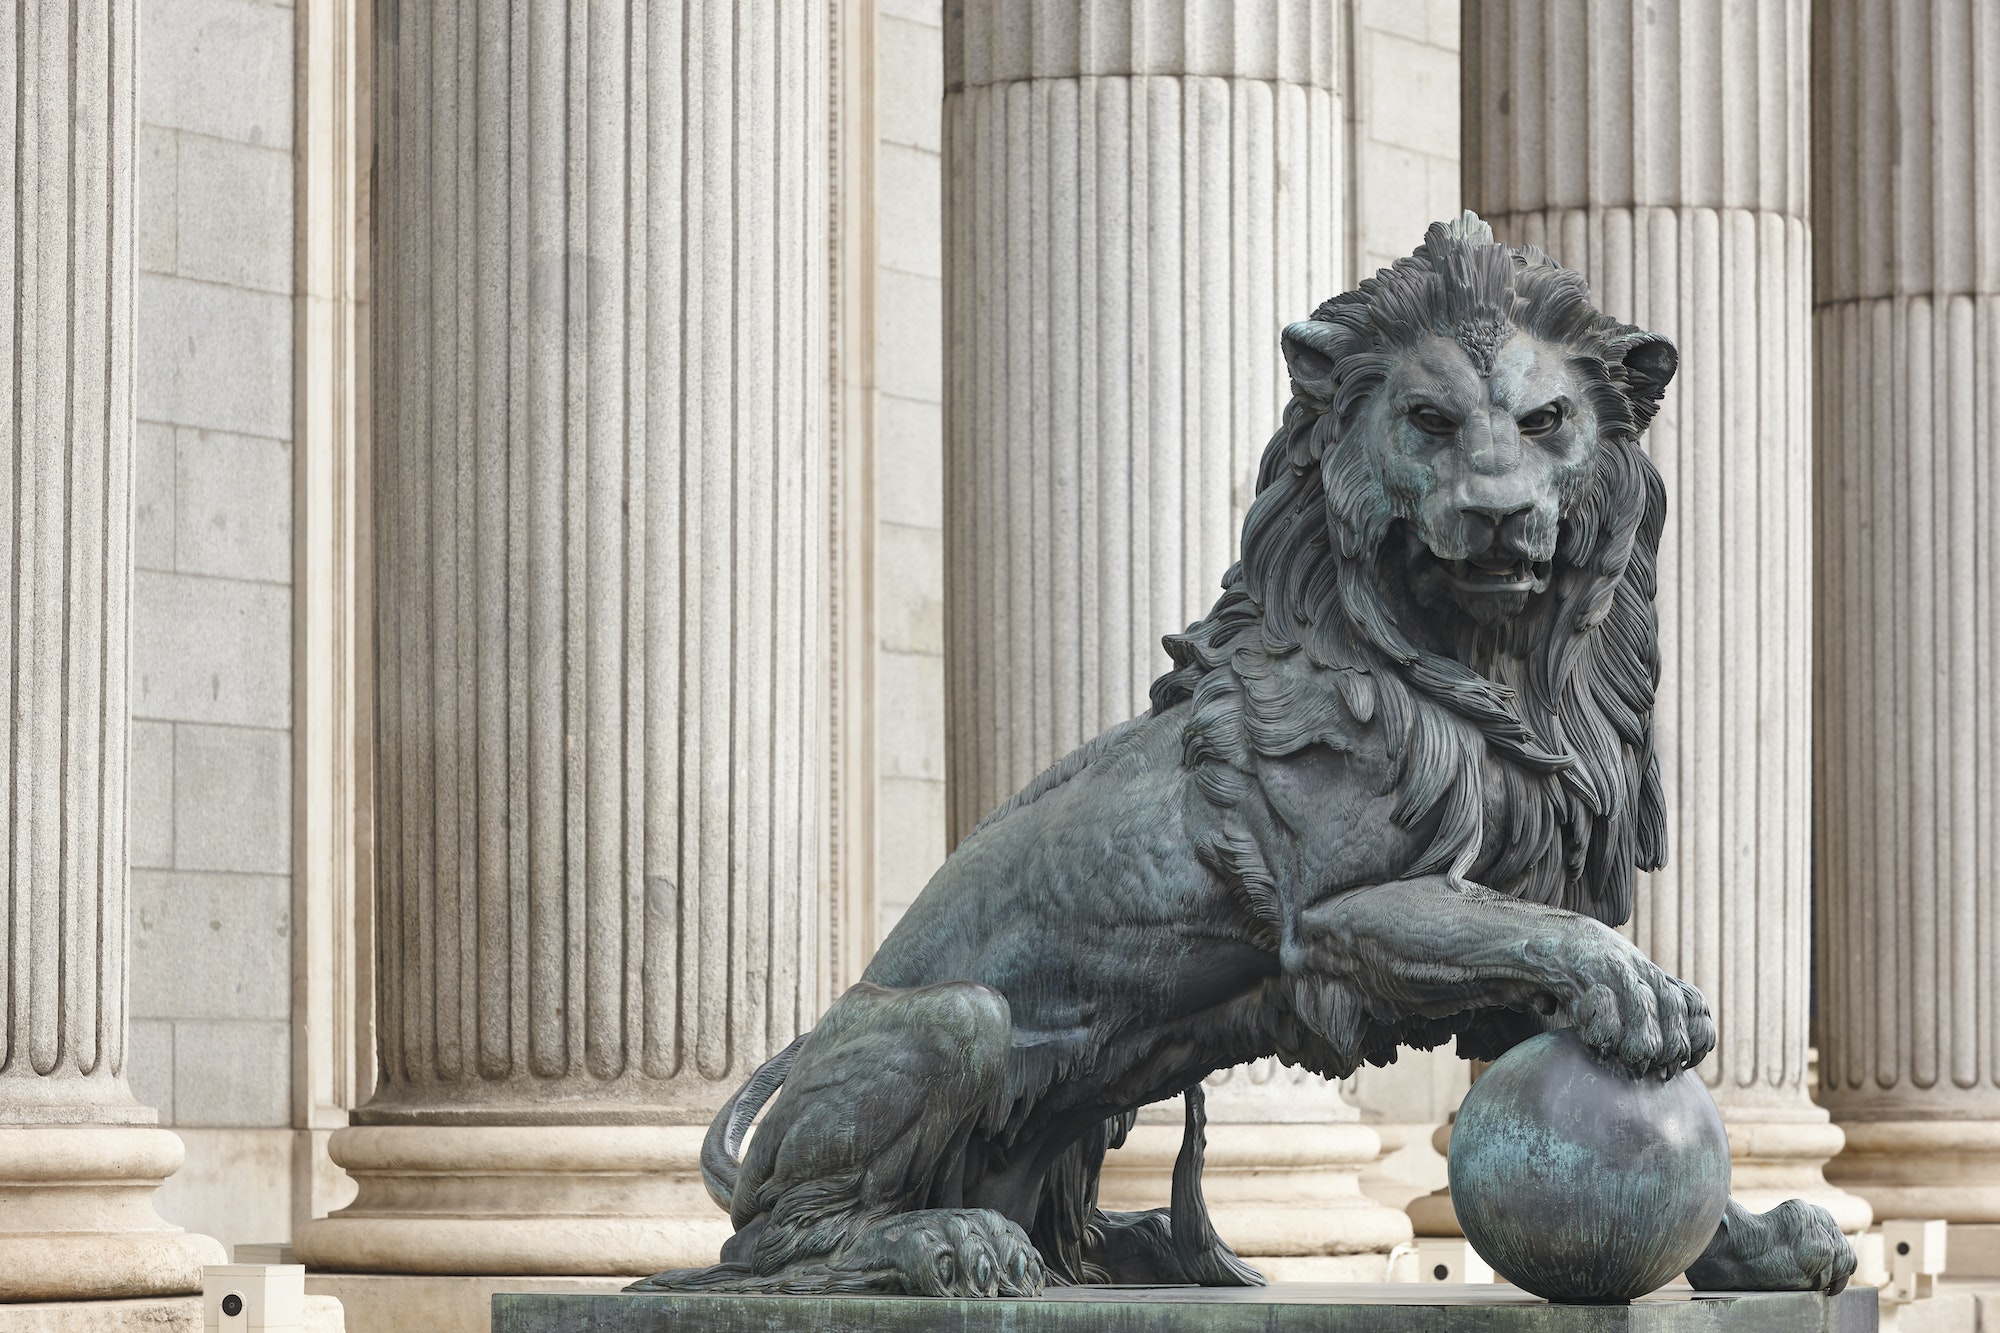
(1281,1308)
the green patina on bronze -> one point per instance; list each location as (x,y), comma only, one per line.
(1578,1181)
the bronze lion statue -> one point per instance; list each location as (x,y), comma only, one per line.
(1394,790)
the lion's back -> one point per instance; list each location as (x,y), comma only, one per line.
(1100,860)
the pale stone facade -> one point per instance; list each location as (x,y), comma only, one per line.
(908,427)
(212,605)
(879,638)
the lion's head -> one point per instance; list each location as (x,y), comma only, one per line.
(1462,404)
(1457,510)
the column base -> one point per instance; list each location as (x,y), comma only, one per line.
(502,1200)
(1275,1192)
(1784,1157)
(1432,1215)
(76,1216)
(1409,1168)
(1926,1168)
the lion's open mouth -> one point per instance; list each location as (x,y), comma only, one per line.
(1491,576)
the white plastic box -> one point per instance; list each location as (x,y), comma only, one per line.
(267,1298)
(1450,1259)
(1914,1252)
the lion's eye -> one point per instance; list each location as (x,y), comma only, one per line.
(1541,421)
(1431,421)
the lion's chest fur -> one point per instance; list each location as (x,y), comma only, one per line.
(1313,780)
(1333,813)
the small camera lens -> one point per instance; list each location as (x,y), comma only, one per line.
(232,1304)
(1440,1272)
(1902,1247)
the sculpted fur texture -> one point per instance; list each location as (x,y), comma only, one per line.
(1394,789)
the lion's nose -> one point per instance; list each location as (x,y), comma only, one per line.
(1496,530)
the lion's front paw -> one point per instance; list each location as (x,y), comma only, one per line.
(1628,1010)
(1796,1246)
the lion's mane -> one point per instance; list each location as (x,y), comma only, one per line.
(1314,638)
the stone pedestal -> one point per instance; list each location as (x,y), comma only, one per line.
(599,278)
(79,1157)
(1659,147)
(1907,290)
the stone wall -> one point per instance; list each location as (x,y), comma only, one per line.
(212,604)
(909,454)
(1402,109)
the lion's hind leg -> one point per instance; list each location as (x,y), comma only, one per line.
(839,1188)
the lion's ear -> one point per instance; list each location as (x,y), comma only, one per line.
(1648,362)
(1311,347)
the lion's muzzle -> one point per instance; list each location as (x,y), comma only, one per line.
(1500,552)
(1498,537)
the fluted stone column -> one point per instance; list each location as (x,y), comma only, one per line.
(1659,147)
(79,1157)
(599,367)
(1138,196)
(1907,309)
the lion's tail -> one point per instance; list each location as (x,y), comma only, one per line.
(722,1146)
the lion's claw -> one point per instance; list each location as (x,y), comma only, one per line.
(1628,1010)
